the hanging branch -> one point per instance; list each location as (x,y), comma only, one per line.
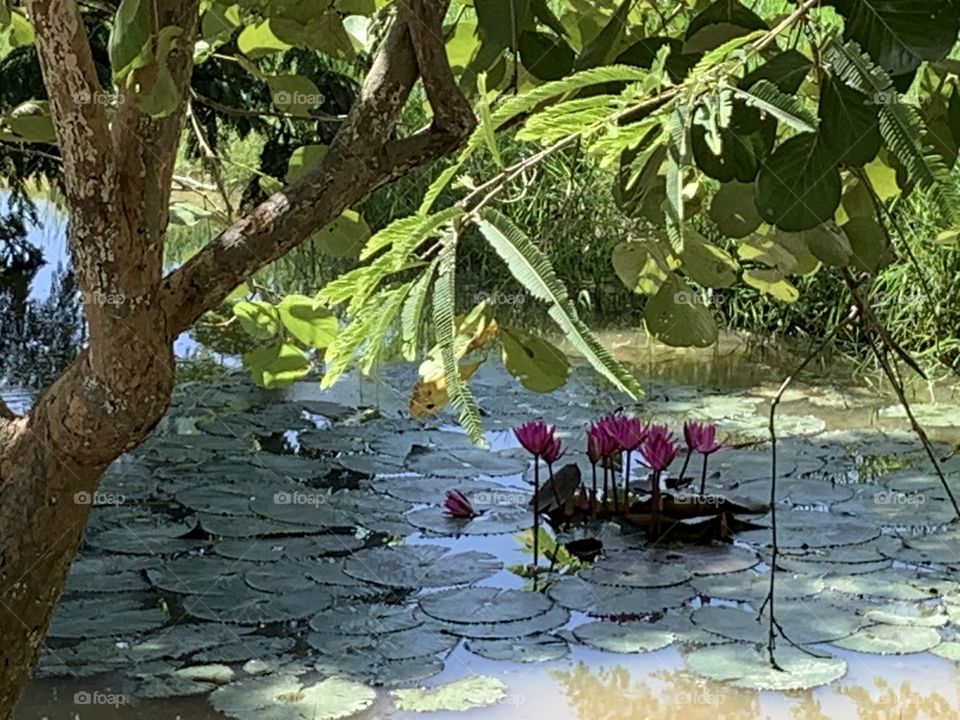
(873,327)
(774,626)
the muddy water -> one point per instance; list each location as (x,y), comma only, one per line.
(594,685)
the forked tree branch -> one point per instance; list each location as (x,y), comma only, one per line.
(363,156)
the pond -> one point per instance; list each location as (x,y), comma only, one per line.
(286,555)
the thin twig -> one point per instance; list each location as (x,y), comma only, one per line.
(898,388)
(212,159)
(774,626)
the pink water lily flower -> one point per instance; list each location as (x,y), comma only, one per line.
(457,505)
(536,438)
(600,443)
(701,437)
(659,448)
(553,452)
(626,430)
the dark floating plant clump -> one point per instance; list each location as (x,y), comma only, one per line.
(279,582)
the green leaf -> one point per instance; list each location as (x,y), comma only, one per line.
(674,206)
(30,121)
(643,265)
(345,236)
(411,316)
(829,244)
(256,41)
(376,336)
(868,244)
(799,186)
(405,234)
(539,365)
(545,56)
(445,329)
(258,318)
(294,94)
(706,264)
(533,271)
(767,97)
(734,211)
(787,70)
(309,323)
(677,316)
(500,21)
(129,43)
(276,366)
(772,282)
(340,353)
(469,692)
(901,34)
(849,123)
(158,95)
(302,159)
(605,46)
(187,214)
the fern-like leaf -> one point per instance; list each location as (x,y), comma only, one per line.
(445,328)
(713,58)
(341,352)
(411,317)
(676,150)
(573,117)
(788,109)
(406,233)
(532,269)
(376,341)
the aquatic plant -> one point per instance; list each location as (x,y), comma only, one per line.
(540,441)
(628,433)
(457,505)
(701,438)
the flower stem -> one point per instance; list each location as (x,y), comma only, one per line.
(655,510)
(606,485)
(686,461)
(593,496)
(536,517)
(703,474)
(626,485)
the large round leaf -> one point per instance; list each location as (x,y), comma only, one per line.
(483,605)
(733,210)
(539,365)
(799,186)
(642,265)
(310,324)
(849,123)
(677,316)
(345,236)
(705,263)
(545,56)
(747,666)
(417,566)
(460,695)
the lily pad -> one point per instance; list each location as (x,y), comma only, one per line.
(606,600)
(803,622)
(530,648)
(373,669)
(625,571)
(552,619)
(288,548)
(246,648)
(464,463)
(240,604)
(248,526)
(413,642)
(895,584)
(625,637)
(483,604)
(909,614)
(470,692)
(749,667)
(285,697)
(104,618)
(890,640)
(365,619)
(418,566)
(702,560)
(197,575)
(492,521)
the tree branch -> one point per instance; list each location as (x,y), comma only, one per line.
(5,412)
(362,157)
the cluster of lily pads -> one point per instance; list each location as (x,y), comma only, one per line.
(270,555)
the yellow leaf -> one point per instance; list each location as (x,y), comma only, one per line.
(430,396)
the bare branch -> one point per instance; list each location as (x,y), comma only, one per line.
(362,157)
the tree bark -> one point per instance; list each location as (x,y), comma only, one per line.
(118,177)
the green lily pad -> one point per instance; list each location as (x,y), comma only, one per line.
(246,648)
(103,618)
(248,526)
(413,642)
(492,521)
(749,667)
(373,669)
(464,463)
(470,692)
(483,605)
(284,697)
(530,648)
(803,622)
(890,640)
(626,637)
(197,575)
(607,600)
(288,548)
(910,614)
(365,619)
(418,566)
(238,603)
(895,584)
(115,573)
(627,571)
(552,619)
(707,560)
